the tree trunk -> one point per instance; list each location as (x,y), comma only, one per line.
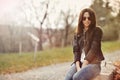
(40,47)
(66,35)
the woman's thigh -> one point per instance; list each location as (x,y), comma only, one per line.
(88,72)
(71,72)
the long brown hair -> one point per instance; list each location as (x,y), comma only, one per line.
(80,27)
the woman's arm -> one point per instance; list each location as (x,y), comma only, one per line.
(95,45)
(78,65)
(77,52)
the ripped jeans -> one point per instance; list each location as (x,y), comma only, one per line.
(87,73)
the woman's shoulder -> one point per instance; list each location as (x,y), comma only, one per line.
(98,29)
(76,35)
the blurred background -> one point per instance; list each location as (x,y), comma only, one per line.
(51,21)
(36,26)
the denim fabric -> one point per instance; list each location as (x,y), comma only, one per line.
(86,73)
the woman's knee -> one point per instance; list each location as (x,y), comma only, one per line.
(79,78)
(68,77)
(76,77)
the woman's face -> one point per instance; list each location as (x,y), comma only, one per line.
(86,20)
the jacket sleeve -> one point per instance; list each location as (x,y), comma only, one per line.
(95,45)
(76,48)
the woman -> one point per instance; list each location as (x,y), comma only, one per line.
(87,40)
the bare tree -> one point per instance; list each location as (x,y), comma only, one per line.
(40,47)
(34,12)
(68,19)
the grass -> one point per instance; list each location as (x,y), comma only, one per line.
(12,63)
(111,46)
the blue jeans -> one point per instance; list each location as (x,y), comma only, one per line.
(86,73)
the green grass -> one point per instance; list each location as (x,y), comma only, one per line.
(110,46)
(10,63)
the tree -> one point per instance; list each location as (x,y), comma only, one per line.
(68,19)
(103,11)
(36,14)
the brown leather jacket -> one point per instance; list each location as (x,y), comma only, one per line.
(91,43)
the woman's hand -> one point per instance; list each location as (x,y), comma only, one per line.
(78,65)
(78,69)
(85,62)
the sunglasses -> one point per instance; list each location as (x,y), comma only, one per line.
(84,18)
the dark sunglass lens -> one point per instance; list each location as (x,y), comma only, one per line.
(84,18)
(89,18)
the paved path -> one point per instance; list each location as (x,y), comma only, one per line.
(57,71)
(52,72)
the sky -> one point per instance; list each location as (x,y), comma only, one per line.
(9,8)
(7,5)
(10,12)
